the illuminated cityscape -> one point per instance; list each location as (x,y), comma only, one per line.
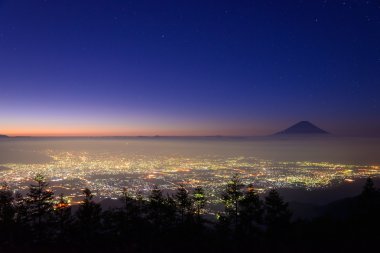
(189,126)
(106,174)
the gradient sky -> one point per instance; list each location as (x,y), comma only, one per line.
(188,67)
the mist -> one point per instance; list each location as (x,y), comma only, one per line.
(358,151)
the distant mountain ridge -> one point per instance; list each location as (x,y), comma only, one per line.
(4,136)
(302,127)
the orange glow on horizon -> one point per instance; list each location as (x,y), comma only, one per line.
(99,133)
(97,130)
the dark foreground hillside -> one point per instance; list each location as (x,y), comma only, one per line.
(41,222)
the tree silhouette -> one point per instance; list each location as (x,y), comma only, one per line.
(140,203)
(88,214)
(128,218)
(62,216)
(251,210)
(184,202)
(199,200)
(369,189)
(126,199)
(7,212)
(369,202)
(21,209)
(232,196)
(160,210)
(170,210)
(156,207)
(149,226)
(277,213)
(39,203)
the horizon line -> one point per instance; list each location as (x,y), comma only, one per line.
(181,136)
(115,136)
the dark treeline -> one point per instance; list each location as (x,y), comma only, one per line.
(41,222)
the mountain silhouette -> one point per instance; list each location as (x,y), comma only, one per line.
(303,127)
(4,136)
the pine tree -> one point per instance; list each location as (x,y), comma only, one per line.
(232,196)
(369,202)
(127,217)
(89,215)
(184,202)
(21,209)
(160,210)
(126,199)
(7,212)
(22,219)
(369,189)
(199,200)
(62,216)
(170,210)
(139,203)
(156,207)
(251,209)
(7,209)
(277,213)
(39,203)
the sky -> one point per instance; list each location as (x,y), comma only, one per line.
(109,67)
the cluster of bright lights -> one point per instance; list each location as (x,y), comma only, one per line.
(107,173)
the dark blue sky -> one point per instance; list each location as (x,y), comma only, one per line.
(188,67)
